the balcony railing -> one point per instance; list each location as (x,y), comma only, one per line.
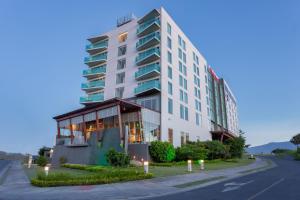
(94,71)
(148,86)
(97,47)
(148,41)
(94,60)
(93,85)
(92,98)
(148,27)
(147,56)
(148,71)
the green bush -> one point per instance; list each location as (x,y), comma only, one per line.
(118,159)
(215,150)
(64,179)
(297,156)
(161,151)
(42,161)
(192,150)
(236,146)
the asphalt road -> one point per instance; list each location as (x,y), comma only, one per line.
(281,182)
(3,164)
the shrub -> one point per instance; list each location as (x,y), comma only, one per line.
(161,151)
(216,149)
(115,158)
(236,146)
(280,151)
(42,161)
(194,151)
(63,160)
(297,156)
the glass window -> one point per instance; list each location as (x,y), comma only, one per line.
(180,80)
(184,70)
(179,40)
(186,113)
(181,111)
(170,72)
(181,95)
(180,66)
(185,97)
(183,44)
(170,106)
(122,50)
(169,29)
(119,92)
(170,57)
(121,64)
(184,57)
(169,43)
(185,84)
(170,136)
(187,137)
(120,78)
(122,37)
(182,138)
(170,88)
(179,53)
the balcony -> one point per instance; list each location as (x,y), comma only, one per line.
(93,85)
(148,27)
(95,60)
(92,98)
(94,72)
(97,47)
(148,56)
(148,41)
(148,87)
(147,71)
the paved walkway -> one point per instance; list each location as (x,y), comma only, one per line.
(17,186)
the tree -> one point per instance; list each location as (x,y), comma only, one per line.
(236,146)
(296,140)
(42,150)
(161,151)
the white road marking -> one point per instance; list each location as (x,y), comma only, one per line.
(235,186)
(267,188)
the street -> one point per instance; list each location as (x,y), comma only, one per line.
(3,164)
(281,182)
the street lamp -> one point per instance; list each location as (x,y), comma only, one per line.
(189,165)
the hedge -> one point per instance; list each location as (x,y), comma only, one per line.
(161,151)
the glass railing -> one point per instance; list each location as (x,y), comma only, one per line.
(146,54)
(102,44)
(146,24)
(102,56)
(96,70)
(148,85)
(92,98)
(147,69)
(147,38)
(93,84)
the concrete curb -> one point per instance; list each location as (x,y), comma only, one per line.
(259,169)
(3,173)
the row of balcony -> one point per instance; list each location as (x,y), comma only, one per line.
(148,56)
(94,72)
(97,47)
(92,98)
(93,85)
(148,41)
(147,87)
(147,71)
(96,60)
(148,26)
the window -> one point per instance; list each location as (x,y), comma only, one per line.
(170,88)
(180,66)
(122,50)
(179,40)
(181,111)
(181,95)
(122,37)
(186,113)
(198,119)
(184,70)
(182,138)
(121,64)
(185,97)
(169,43)
(185,84)
(170,106)
(198,105)
(180,80)
(169,57)
(169,72)
(120,78)
(179,53)
(187,137)
(170,136)
(169,29)
(119,92)
(184,57)
(183,45)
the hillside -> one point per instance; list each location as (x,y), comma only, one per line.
(267,148)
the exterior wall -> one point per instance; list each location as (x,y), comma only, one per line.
(173,120)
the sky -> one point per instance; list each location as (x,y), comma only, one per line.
(254,45)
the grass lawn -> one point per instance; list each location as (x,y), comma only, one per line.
(159,171)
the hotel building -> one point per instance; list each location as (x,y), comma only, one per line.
(145,81)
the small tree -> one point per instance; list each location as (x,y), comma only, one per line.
(236,146)
(162,151)
(42,161)
(118,159)
(296,140)
(215,149)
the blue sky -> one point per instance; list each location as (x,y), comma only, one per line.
(254,45)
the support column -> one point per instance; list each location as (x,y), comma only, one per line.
(97,126)
(222,136)
(71,129)
(84,128)
(120,124)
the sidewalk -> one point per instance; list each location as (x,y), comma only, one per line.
(17,186)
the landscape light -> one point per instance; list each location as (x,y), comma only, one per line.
(46,170)
(202,164)
(146,167)
(189,165)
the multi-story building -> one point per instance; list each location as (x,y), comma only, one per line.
(150,62)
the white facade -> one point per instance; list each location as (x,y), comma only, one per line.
(194,77)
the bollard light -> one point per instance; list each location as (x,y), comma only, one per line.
(146,167)
(46,170)
(189,165)
(29,161)
(202,164)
